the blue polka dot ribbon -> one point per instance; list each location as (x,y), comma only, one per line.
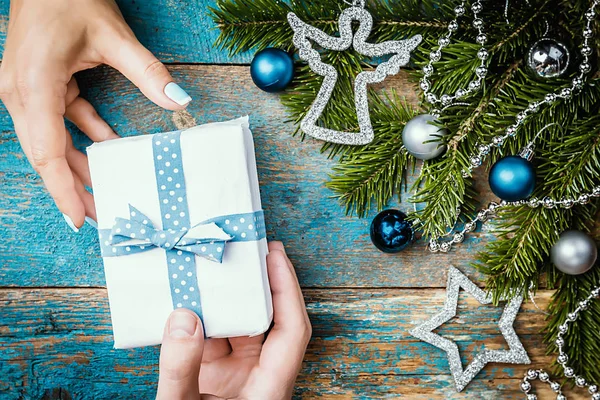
(180,241)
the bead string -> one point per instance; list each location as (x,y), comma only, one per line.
(563,359)
(487,213)
(444,40)
(533,107)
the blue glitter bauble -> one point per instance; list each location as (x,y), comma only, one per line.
(512,178)
(390,231)
(272,69)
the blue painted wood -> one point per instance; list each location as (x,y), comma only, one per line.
(175,31)
(329,248)
(61,338)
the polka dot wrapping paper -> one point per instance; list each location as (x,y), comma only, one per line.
(180,225)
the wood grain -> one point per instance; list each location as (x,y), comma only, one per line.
(328,248)
(61,338)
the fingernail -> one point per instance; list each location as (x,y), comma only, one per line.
(182,324)
(177,94)
(91,222)
(70,223)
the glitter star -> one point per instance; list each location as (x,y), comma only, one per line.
(516,354)
(398,49)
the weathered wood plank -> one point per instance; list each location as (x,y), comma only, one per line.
(175,31)
(61,338)
(329,248)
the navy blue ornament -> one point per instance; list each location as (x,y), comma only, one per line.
(272,69)
(390,231)
(512,178)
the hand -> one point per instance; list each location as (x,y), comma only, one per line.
(242,367)
(47,42)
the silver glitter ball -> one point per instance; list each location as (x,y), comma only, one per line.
(478,23)
(585,67)
(460,93)
(512,130)
(481,72)
(431,98)
(453,26)
(562,358)
(470,226)
(596,191)
(482,216)
(475,161)
(586,51)
(484,149)
(574,253)
(498,141)
(531,396)
(434,246)
(566,92)
(550,97)
(534,202)
(548,58)
(477,7)
(443,41)
(572,317)
(474,85)
(548,202)
(446,99)
(567,203)
(590,14)
(483,54)
(561,397)
(544,377)
(584,199)
(560,342)
(445,247)
(577,83)
(596,396)
(481,39)
(425,85)
(428,69)
(459,10)
(533,107)
(555,386)
(525,386)
(532,374)
(596,293)
(588,33)
(435,56)
(580,381)
(420,130)
(584,305)
(459,237)
(569,372)
(564,328)
(593,389)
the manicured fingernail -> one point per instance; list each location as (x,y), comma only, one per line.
(182,324)
(70,223)
(91,222)
(177,94)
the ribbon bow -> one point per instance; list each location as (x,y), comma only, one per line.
(138,234)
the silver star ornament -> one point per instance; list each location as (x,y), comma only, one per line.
(516,353)
(398,49)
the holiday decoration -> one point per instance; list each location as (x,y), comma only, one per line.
(504,108)
(272,69)
(390,231)
(548,58)
(421,137)
(399,51)
(574,253)
(563,358)
(516,353)
(512,178)
(176,233)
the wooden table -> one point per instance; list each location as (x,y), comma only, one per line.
(55,331)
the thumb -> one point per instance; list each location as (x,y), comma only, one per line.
(181,356)
(142,68)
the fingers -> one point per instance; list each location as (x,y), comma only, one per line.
(284,348)
(88,201)
(140,66)
(215,349)
(246,346)
(83,114)
(181,356)
(44,111)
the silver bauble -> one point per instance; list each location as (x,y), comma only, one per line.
(419,130)
(574,253)
(548,58)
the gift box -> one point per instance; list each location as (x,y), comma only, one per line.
(180,225)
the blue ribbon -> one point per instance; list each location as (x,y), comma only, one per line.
(179,240)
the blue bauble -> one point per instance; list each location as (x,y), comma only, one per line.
(272,69)
(390,231)
(512,178)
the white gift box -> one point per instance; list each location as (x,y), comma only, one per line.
(220,179)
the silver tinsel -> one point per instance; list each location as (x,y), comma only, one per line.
(462,377)
(399,49)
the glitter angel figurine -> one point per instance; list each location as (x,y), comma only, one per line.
(399,50)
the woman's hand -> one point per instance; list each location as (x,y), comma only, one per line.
(47,42)
(243,367)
